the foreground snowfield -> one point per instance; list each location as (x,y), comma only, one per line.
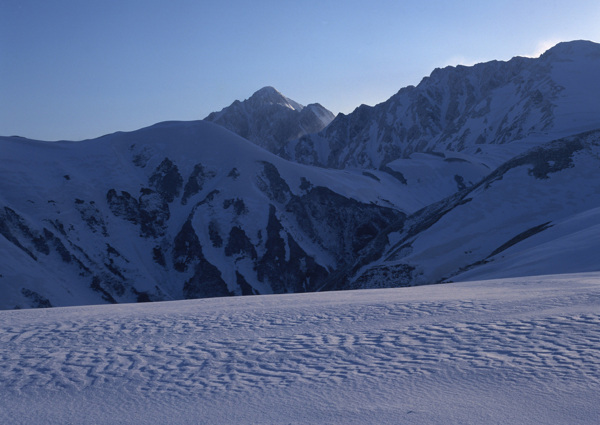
(523,350)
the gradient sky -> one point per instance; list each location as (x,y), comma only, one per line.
(76,69)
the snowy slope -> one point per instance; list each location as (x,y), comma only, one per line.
(467,109)
(176,210)
(535,214)
(571,244)
(520,351)
(270,119)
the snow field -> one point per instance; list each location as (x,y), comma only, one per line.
(524,350)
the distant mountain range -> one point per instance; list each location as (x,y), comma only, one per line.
(478,172)
(466,109)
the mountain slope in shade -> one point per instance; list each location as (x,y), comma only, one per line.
(520,102)
(537,213)
(167,212)
(269,119)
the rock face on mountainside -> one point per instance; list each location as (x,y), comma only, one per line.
(478,172)
(128,218)
(464,109)
(270,119)
(538,213)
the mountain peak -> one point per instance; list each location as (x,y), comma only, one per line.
(268,91)
(269,119)
(460,108)
(570,49)
(270,96)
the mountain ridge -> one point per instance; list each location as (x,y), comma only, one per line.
(450,109)
(270,119)
(472,171)
(167,212)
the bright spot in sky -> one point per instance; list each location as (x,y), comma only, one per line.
(544,45)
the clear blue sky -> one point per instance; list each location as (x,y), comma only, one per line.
(75,69)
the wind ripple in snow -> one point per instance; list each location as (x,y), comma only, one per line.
(243,349)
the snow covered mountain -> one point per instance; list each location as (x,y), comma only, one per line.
(167,212)
(464,109)
(538,213)
(479,172)
(270,119)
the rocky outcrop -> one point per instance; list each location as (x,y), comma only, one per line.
(458,109)
(269,119)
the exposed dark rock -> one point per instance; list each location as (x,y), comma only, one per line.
(370,175)
(272,184)
(206,282)
(553,160)
(438,154)
(123,205)
(244,285)
(151,212)
(305,184)
(58,226)
(234,173)
(40,244)
(96,285)
(396,174)
(166,180)
(213,234)
(111,255)
(112,252)
(154,214)
(238,205)
(91,216)
(187,248)
(13,226)
(141,297)
(304,151)
(109,284)
(141,158)
(365,233)
(273,261)
(342,226)
(521,237)
(209,197)
(196,182)
(114,269)
(239,244)
(455,160)
(59,247)
(158,256)
(460,182)
(387,276)
(37,300)
(285,265)
(11,221)
(546,159)
(303,272)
